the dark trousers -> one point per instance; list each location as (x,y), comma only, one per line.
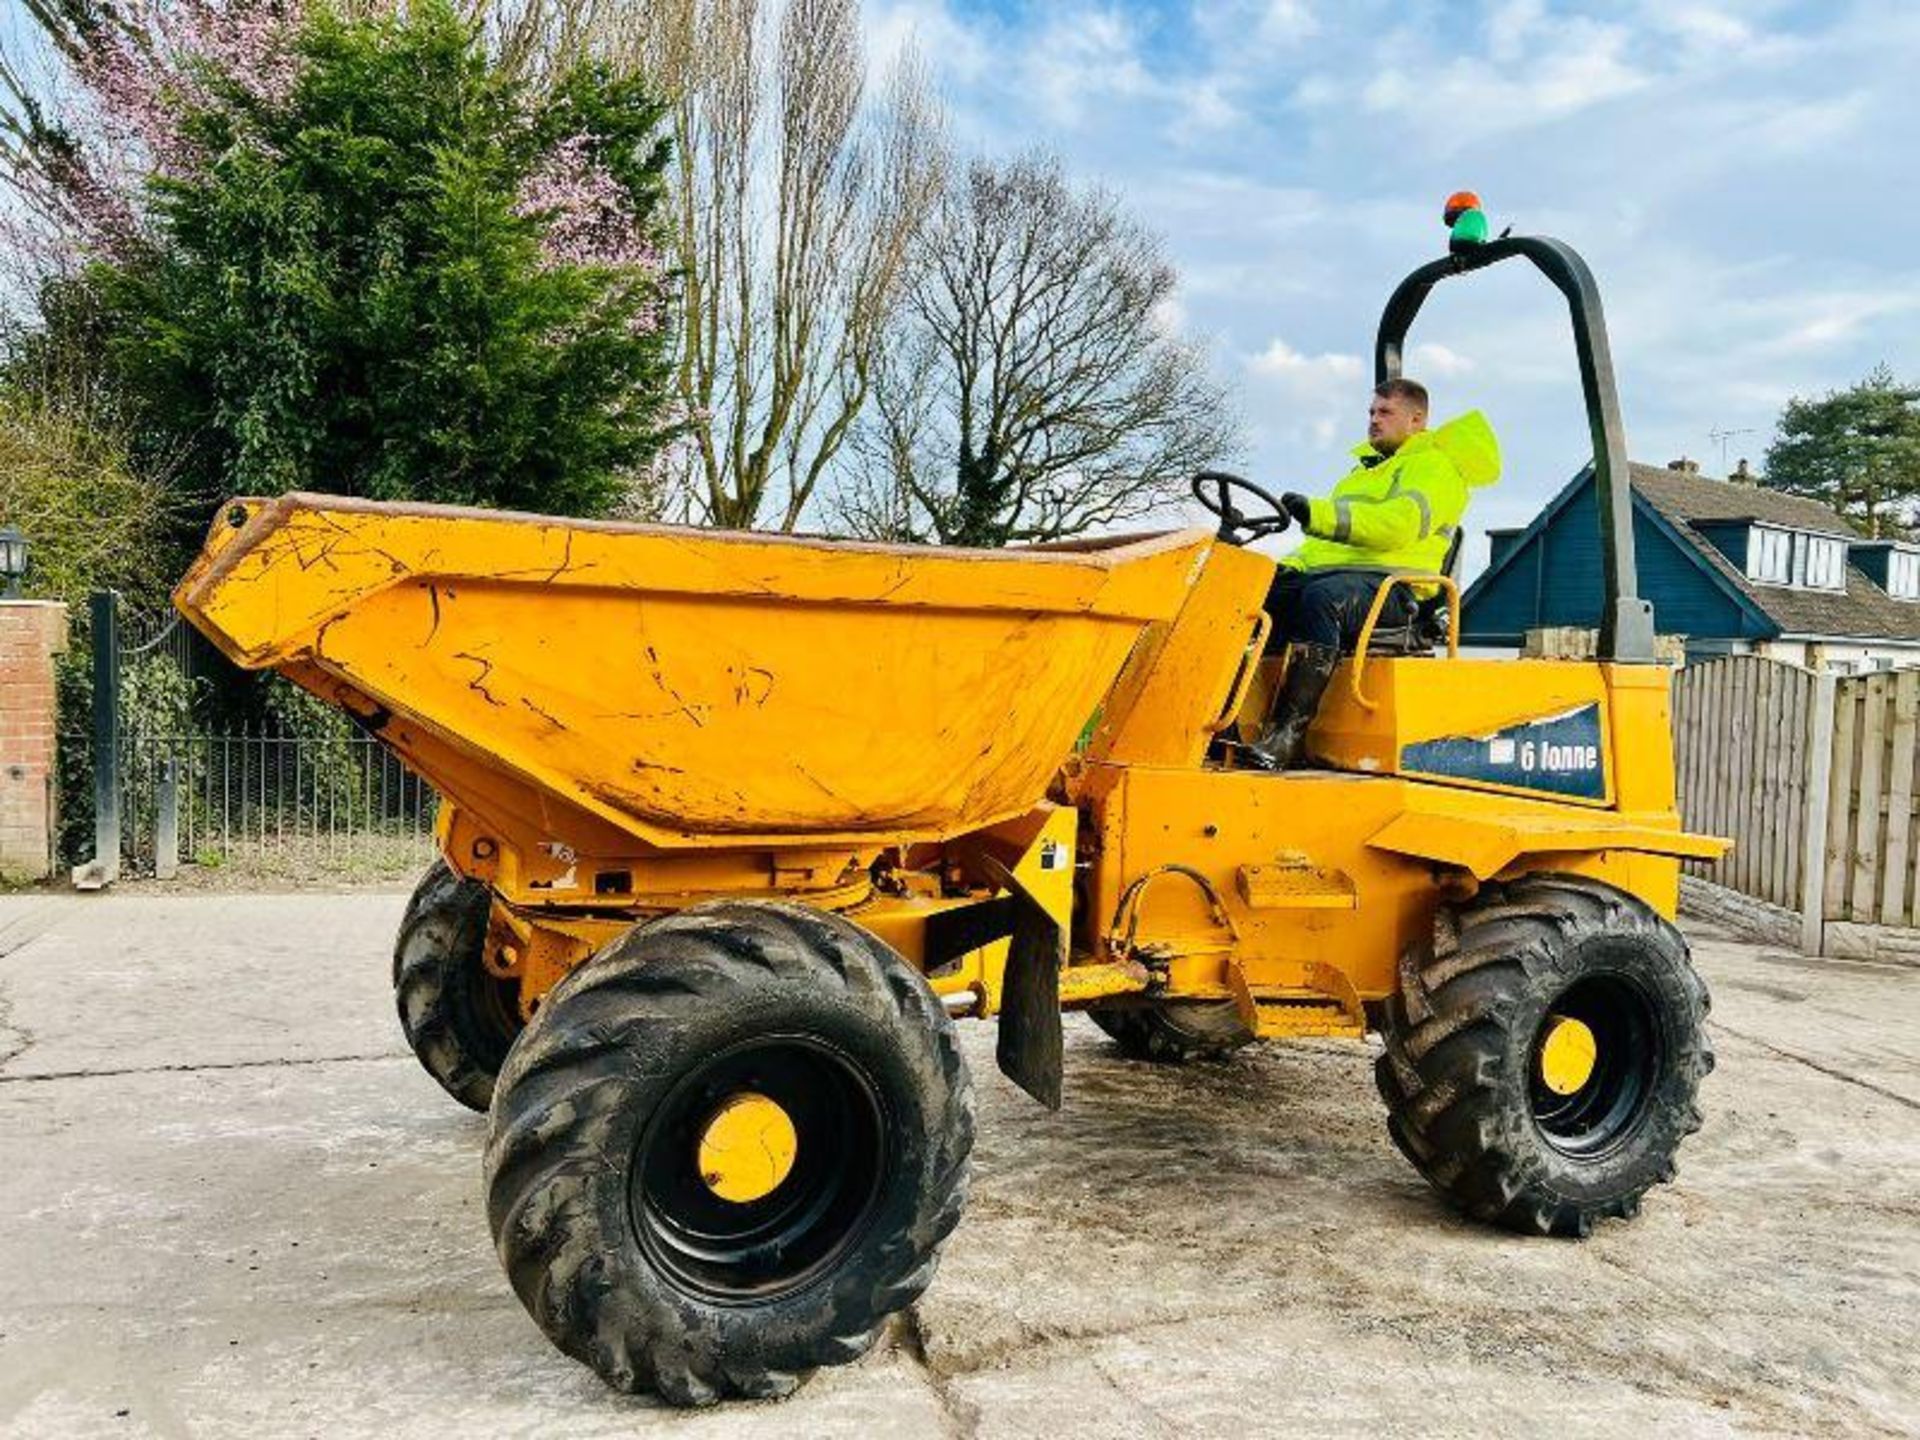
(1329,607)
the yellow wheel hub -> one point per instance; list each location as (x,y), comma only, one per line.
(747,1148)
(1567,1055)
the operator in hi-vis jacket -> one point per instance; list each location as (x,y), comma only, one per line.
(1396,511)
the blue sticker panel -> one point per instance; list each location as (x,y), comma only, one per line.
(1559,755)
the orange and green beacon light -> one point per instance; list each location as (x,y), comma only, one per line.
(1466,221)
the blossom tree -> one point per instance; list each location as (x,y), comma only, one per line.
(303,248)
(81,155)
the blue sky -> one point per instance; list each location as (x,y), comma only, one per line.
(1741,177)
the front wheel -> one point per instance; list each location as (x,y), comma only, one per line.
(1543,1059)
(726,1149)
(459,1019)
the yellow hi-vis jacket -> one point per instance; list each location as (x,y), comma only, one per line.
(1399,512)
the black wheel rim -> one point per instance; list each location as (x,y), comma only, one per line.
(762,1249)
(1629,1050)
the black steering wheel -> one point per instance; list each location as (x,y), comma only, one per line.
(1214,490)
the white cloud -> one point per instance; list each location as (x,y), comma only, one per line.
(1084,55)
(1509,25)
(1303,403)
(957,52)
(1830,319)
(1707,33)
(1544,71)
(1206,109)
(1280,359)
(1246,30)
(1319,92)
(1170,317)
(1432,358)
(1707,25)
(1779,130)
(1283,22)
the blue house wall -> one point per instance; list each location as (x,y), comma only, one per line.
(1550,576)
(1875,560)
(1730,537)
(1499,542)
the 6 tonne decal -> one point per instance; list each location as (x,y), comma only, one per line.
(1557,755)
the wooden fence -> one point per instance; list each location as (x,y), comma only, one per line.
(1740,733)
(1871,830)
(1817,780)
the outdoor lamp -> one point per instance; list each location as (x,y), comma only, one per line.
(13,563)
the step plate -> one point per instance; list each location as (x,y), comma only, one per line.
(1296,887)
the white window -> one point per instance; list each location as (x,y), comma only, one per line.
(1793,557)
(1903,575)
(1826,563)
(1770,556)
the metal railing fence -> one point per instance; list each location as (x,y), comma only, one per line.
(256,798)
(296,796)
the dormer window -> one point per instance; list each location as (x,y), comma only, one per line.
(1794,557)
(1903,575)
(1819,563)
(1770,557)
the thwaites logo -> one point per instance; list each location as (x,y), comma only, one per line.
(1557,755)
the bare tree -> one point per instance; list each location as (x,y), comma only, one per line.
(798,197)
(1031,388)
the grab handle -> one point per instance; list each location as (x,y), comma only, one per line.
(1243,681)
(1373,619)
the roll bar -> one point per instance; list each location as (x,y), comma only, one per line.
(1626,621)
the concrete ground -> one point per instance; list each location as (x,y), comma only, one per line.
(230,1204)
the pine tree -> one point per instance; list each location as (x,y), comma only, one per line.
(1857,450)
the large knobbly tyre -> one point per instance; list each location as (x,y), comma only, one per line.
(726,1149)
(1543,1058)
(459,1019)
(1174,1033)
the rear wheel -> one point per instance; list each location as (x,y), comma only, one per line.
(1543,1059)
(726,1149)
(1174,1033)
(459,1019)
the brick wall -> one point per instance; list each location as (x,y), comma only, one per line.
(32,632)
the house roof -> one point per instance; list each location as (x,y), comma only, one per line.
(1863,609)
(1685,496)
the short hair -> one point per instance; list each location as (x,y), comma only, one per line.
(1401,388)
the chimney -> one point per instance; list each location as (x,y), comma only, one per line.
(1684,466)
(1742,475)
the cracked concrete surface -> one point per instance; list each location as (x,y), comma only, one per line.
(235,1207)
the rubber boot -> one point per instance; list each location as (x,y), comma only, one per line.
(1283,739)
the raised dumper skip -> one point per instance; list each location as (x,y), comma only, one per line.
(734,827)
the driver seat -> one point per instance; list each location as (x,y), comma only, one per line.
(1423,634)
(1426,629)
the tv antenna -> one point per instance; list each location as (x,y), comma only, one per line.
(1721,437)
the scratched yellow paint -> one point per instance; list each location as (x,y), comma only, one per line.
(695,688)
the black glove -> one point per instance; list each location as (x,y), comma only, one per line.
(1298,506)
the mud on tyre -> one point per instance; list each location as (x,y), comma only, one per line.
(1543,1058)
(634,1241)
(459,1019)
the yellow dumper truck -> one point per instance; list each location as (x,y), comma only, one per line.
(735,826)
